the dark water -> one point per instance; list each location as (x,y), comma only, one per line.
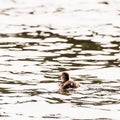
(39,39)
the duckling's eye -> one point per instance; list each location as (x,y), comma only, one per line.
(71,83)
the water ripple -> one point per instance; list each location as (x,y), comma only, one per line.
(41,39)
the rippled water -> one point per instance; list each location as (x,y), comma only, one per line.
(39,39)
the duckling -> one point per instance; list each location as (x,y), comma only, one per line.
(66,83)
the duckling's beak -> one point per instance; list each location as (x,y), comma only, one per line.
(61,78)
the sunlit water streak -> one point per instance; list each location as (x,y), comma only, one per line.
(40,39)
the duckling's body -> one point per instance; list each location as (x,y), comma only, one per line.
(66,83)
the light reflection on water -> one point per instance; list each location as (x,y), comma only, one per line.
(43,39)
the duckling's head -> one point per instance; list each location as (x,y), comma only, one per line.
(64,77)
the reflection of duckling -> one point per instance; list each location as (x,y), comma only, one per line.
(66,83)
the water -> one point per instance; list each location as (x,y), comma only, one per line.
(39,39)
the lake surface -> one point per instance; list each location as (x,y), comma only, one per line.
(40,39)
